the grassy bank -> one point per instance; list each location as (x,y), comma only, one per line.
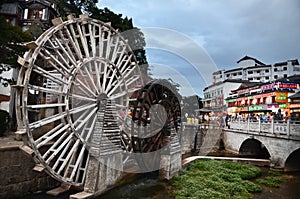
(272,180)
(216,179)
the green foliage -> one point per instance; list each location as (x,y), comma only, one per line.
(216,179)
(76,6)
(273,179)
(135,36)
(274,173)
(4,120)
(35,29)
(11,38)
(270,181)
(191,103)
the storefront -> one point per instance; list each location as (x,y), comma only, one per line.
(295,104)
(270,98)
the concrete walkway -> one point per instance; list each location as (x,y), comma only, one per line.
(8,142)
(258,162)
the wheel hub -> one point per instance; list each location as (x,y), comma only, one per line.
(101,100)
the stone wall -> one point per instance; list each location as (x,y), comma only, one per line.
(207,138)
(187,138)
(16,174)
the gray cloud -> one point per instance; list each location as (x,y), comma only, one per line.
(227,29)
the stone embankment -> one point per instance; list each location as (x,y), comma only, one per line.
(16,175)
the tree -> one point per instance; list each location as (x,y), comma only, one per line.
(135,36)
(11,47)
(191,103)
(35,29)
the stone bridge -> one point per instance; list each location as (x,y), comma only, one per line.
(277,141)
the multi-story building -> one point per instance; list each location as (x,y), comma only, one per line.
(254,70)
(24,12)
(250,72)
(215,94)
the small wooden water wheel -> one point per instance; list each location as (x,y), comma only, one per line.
(156,118)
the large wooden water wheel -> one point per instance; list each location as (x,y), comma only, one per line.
(74,86)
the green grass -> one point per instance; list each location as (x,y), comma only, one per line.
(216,179)
(270,181)
(274,173)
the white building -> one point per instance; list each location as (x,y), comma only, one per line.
(252,69)
(5,92)
(215,94)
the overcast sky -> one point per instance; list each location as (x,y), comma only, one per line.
(225,30)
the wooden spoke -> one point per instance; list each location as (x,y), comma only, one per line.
(76,96)
(51,135)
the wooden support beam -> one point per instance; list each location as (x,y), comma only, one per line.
(57,21)
(84,16)
(31,45)
(17,86)
(27,150)
(19,133)
(39,168)
(58,191)
(71,16)
(21,61)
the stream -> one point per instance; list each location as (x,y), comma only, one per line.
(147,186)
(150,188)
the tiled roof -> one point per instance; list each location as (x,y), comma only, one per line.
(247,57)
(9,8)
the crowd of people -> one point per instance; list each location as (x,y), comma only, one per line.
(224,119)
(269,116)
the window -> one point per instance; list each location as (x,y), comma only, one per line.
(258,78)
(275,69)
(258,71)
(35,14)
(240,73)
(285,75)
(275,76)
(267,78)
(227,75)
(234,74)
(285,68)
(250,72)
(250,79)
(26,13)
(267,71)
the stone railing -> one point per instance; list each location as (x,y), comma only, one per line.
(289,129)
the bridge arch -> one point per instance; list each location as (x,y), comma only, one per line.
(254,148)
(292,162)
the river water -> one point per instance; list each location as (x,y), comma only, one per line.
(151,188)
(289,189)
(147,186)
